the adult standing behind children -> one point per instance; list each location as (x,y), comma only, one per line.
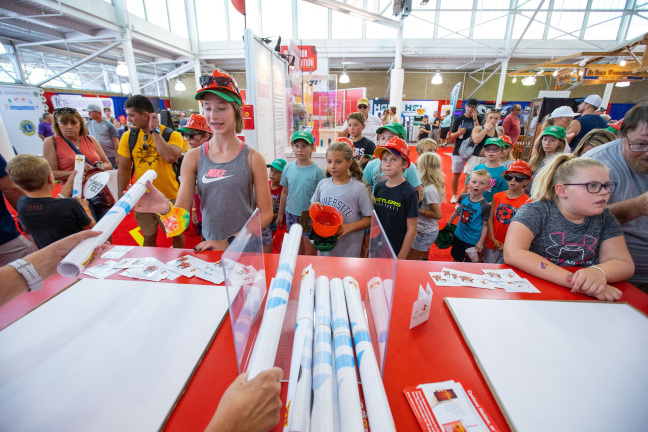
(104,132)
(150,152)
(393,118)
(588,120)
(299,180)
(230,174)
(436,124)
(462,128)
(371,122)
(511,123)
(445,125)
(71,138)
(627,158)
(480,135)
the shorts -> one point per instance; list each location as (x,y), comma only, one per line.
(492,256)
(458,250)
(444,132)
(424,241)
(149,222)
(457,164)
(435,135)
(266,236)
(292,219)
(15,249)
(472,162)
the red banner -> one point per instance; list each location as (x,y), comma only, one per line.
(308,57)
(248,117)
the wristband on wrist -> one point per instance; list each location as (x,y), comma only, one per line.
(601,270)
(175,221)
(29,273)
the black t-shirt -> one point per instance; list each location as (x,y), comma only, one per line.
(433,121)
(363,146)
(422,135)
(480,146)
(394,205)
(51,219)
(469,124)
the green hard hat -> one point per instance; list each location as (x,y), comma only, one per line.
(445,237)
(323,244)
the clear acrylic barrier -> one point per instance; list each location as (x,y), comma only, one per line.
(245,280)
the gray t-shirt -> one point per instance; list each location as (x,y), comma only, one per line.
(428,225)
(104,132)
(562,242)
(354,202)
(301,183)
(630,184)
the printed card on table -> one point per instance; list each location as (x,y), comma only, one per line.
(103,270)
(441,280)
(127,263)
(213,273)
(502,275)
(421,308)
(187,265)
(467,279)
(117,252)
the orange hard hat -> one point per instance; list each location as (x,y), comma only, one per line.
(396,146)
(346,140)
(196,122)
(221,84)
(507,140)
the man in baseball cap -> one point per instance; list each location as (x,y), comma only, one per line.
(588,120)
(103,131)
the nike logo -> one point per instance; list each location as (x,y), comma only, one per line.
(206,179)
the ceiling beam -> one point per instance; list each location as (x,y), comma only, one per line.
(30,28)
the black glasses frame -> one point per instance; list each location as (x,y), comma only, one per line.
(518,178)
(595,187)
(191,135)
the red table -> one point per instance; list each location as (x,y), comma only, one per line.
(435,351)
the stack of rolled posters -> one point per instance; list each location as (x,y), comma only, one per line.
(265,348)
(347,381)
(75,261)
(324,410)
(380,313)
(246,318)
(298,399)
(378,411)
(79,167)
(388,285)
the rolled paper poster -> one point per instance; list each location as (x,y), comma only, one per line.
(388,285)
(380,314)
(265,348)
(79,167)
(303,336)
(347,380)
(378,411)
(323,411)
(246,318)
(75,261)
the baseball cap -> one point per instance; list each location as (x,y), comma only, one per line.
(519,166)
(563,111)
(426,116)
(507,140)
(278,164)
(94,107)
(555,131)
(363,101)
(302,135)
(445,237)
(594,100)
(396,128)
(495,141)
(472,102)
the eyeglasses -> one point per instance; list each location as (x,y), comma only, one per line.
(492,149)
(65,110)
(595,187)
(225,82)
(363,106)
(191,135)
(518,178)
(145,145)
(637,147)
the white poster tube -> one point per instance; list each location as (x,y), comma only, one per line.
(265,348)
(380,314)
(303,336)
(349,397)
(378,411)
(388,285)
(247,317)
(75,261)
(79,167)
(322,415)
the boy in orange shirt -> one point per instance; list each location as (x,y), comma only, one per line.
(504,206)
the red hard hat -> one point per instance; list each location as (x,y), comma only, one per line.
(197,122)
(519,166)
(220,84)
(507,140)
(346,140)
(394,145)
(617,125)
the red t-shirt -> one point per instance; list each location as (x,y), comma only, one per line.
(505,209)
(511,125)
(276,197)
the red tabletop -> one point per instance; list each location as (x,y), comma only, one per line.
(434,351)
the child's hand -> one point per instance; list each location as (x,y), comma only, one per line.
(589,281)
(344,229)
(498,245)
(479,247)
(279,219)
(66,191)
(609,293)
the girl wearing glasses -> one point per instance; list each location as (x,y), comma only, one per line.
(568,225)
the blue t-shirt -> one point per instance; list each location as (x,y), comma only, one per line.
(8,230)
(301,183)
(373,175)
(471,219)
(498,184)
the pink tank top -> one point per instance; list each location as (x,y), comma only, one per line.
(66,155)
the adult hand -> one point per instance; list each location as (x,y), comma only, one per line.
(57,251)
(489,127)
(154,121)
(249,406)
(153,201)
(461,130)
(474,115)
(589,281)
(219,245)
(66,191)
(609,293)
(87,167)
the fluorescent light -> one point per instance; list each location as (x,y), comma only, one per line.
(437,78)
(356,12)
(344,78)
(623,63)
(122,69)
(555,73)
(514,80)
(529,81)
(179,86)
(622,84)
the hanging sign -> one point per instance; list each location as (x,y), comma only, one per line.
(609,74)
(248,117)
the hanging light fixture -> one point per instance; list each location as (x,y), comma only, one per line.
(540,72)
(437,78)
(555,73)
(623,62)
(514,80)
(179,86)
(344,78)
(622,84)
(529,81)
(122,69)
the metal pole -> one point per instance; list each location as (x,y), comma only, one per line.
(502,82)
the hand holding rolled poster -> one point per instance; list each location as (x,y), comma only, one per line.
(349,396)
(380,314)
(79,167)
(78,257)
(378,411)
(300,364)
(265,348)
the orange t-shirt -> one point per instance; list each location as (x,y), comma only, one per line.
(505,209)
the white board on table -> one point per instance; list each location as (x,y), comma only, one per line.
(105,355)
(561,366)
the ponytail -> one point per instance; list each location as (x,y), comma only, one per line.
(559,169)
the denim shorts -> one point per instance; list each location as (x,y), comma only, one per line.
(292,219)
(423,242)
